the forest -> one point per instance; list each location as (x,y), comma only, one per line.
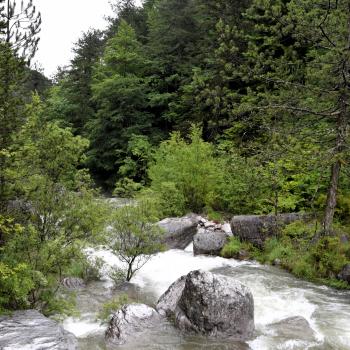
(219,108)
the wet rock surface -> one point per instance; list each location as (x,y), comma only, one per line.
(179,232)
(167,303)
(344,275)
(130,321)
(211,305)
(257,228)
(296,328)
(73,283)
(208,242)
(31,330)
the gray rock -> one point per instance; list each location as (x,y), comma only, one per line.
(130,321)
(344,275)
(257,228)
(215,306)
(209,242)
(73,283)
(293,328)
(277,262)
(167,303)
(179,232)
(31,330)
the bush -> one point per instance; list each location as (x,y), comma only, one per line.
(277,249)
(299,230)
(184,174)
(232,248)
(135,236)
(111,307)
(117,275)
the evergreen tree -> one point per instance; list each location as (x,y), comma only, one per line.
(302,65)
(120,92)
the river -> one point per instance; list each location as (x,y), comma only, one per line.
(277,295)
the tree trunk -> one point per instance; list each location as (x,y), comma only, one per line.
(331,198)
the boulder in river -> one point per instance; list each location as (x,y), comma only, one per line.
(179,232)
(344,275)
(73,283)
(295,328)
(130,320)
(211,305)
(257,228)
(167,303)
(31,330)
(209,242)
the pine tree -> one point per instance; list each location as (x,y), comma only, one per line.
(120,92)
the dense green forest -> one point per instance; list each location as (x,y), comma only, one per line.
(215,107)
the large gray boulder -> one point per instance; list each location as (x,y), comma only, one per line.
(167,303)
(257,228)
(209,242)
(179,232)
(293,328)
(211,305)
(344,275)
(130,321)
(31,330)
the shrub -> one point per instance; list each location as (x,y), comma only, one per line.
(232,248)
(184,173)
(112,306)
(299,229)
(134,236)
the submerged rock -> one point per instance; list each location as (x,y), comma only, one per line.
(130,321)
(73,283)
(257,228)
(296,328)
(179,232)
(208,242)
(209,304)
(31,330)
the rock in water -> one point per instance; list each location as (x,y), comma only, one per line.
(209,242)
(179,232)
(209,304)
(295,328)
(257,228)
(73,283)
(167,303)
(31,330)
(130,320)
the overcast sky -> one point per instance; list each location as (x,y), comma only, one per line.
(63,23)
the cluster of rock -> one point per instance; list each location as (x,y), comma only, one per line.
(210,237)
(200,302)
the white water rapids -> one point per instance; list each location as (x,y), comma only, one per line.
(277,295)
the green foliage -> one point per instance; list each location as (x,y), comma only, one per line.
(63,215)
(184,174)
(232,248)
(112,306)
(135,236)
(300,230)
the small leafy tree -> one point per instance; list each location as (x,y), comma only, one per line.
(135,236)
(184,174)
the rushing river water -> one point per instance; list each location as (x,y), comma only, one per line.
(277,295)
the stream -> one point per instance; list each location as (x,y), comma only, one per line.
(277,295)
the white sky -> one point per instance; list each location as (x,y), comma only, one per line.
(63,23)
